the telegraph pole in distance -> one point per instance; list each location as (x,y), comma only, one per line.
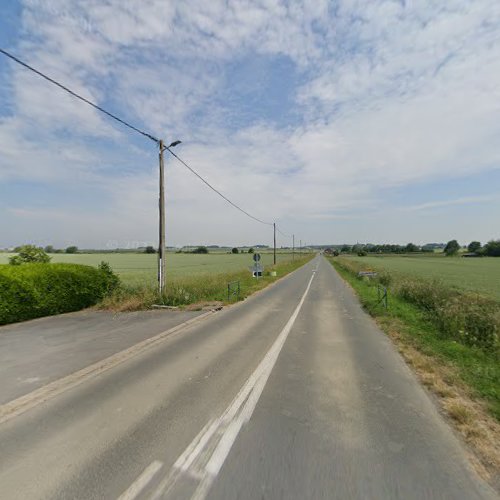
(293,247)
(300,247)
(274,226)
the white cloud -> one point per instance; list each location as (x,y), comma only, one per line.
(466,200)
(391,94)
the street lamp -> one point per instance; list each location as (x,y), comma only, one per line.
(161,203)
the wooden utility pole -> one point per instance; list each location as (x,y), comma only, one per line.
(293,247)
(274,226)
(161,246)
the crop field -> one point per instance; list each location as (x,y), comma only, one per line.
(141,269)
(474,274)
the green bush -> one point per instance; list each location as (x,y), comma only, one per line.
(200,250)
(466,317)
(29,253)
(35,290)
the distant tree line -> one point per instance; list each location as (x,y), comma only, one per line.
(48,249)
(490,249)
(385,248)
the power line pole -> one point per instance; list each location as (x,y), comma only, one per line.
(161,246)
(162,277)
(274,226)
(293,247)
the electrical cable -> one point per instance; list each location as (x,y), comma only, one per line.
(282,233)
(74,94)
(145,134)
(216,190)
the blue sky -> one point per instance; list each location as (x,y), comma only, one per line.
(344,121)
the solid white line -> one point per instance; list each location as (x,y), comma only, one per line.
(197,461)
(142,481)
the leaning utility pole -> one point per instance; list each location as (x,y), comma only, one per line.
(293,247)
(274,226)
(161,246)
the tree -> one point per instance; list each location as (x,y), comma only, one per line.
(345,249)
(71,249)
(200,250)
(474,246)
(29,253)
(451,248)
(49,249)
(250,250)
(411,248)
(235,250)
(149,249)
(492,248)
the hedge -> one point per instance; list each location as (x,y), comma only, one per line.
(34,290)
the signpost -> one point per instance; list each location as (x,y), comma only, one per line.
(257,267)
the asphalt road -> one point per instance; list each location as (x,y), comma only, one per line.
(292,394)
(35,353)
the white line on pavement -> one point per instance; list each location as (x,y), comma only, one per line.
(141,482)
(28,401)
(199,464)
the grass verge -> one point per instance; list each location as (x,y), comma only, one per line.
(195,291)
(465,379)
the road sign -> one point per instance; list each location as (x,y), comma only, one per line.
(256,257)
(257,270)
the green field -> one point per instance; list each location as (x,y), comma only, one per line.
(474,274)
(141,269)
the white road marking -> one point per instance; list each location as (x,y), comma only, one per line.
(24,403)
(142,481)
(202,460)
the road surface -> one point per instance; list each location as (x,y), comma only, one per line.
(292,394)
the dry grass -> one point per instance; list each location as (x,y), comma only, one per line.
(468,415)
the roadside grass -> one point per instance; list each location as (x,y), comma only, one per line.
(198,290)
(465,379)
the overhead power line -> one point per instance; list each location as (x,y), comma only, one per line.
(282,233)
(74,94)
(142,132)
(217,191)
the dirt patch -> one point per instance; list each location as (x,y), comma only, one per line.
(203,306)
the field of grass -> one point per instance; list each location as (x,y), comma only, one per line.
(141,269)
(473,274)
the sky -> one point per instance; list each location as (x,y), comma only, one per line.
(341,121)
